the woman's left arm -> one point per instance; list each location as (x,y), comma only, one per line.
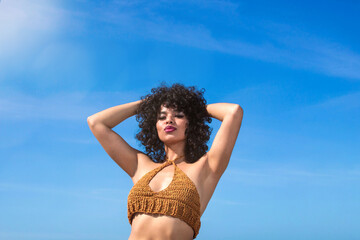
(230,115)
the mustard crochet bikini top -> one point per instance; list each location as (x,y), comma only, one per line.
(180,199)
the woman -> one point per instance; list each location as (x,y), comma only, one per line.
(175,179)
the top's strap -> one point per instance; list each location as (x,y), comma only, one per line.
(173,161)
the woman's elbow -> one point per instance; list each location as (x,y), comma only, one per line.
(90,121)
(238,110)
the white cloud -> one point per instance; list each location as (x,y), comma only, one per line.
(51,235)
(282,176)
(60,106)
(106,194)
(33,22)
(350,101)
(62,65)
(285,45)
(31,111)
(227,202)
(337,106)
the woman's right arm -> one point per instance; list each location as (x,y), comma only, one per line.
(119,150)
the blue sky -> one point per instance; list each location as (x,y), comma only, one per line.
(294,67)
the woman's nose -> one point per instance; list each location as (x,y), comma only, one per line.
(169,120)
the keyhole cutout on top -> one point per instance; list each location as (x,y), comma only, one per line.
(162,179)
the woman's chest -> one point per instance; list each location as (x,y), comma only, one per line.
(193,176)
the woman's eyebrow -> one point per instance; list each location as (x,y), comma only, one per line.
(162,112)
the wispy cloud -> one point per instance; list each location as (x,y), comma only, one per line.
(106,194)
(285,45)
(227,202)
(335,107)
(282,176)
(347,102)
(78,140)
(307,51)
(59,106)
(53,235)
(278,42)
(65,106)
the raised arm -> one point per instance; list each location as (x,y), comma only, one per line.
(119,150)
(220,152)
(113,116)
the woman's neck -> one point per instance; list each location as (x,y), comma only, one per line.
(175,151)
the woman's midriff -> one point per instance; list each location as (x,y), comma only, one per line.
(162,227)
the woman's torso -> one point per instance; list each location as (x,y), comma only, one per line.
(150,226)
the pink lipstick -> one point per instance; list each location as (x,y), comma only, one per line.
(170,129)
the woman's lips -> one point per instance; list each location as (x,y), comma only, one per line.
(170,129)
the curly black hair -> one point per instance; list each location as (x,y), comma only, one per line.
(188,100)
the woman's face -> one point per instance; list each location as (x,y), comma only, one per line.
(171,125)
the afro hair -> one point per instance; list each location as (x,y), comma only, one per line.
(188,100)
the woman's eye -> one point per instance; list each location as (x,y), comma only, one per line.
(179,116)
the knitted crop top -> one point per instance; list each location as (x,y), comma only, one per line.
(180,199)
